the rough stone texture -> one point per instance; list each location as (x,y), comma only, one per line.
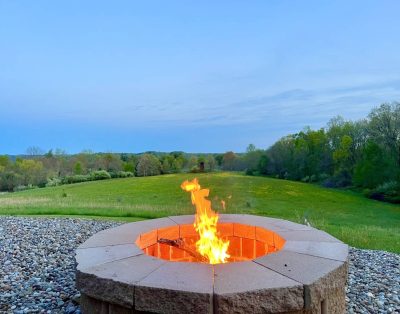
(91,305)
(104,289)
(176,288)
(323,279)
(37,254)
(305,276)
(172,301)
(331,289)
(115,281)
(94,306)
(249,287)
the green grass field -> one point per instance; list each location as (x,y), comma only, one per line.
(354,219)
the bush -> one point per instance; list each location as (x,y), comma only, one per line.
(329,183)
(339,180)
(314,178)
(113,174)
(388,192)
(323,176)
(249,172)
(53,182)
(76,179)
(20,188)
(305,179)
(100,175)
(194,169)
(122,174)
(9,180)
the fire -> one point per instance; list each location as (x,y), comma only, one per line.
(209,245)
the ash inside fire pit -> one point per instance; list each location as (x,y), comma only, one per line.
(178,243)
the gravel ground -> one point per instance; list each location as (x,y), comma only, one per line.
(37,273)
(373,282)
(38,265)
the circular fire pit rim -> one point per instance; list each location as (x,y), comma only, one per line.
(109,259)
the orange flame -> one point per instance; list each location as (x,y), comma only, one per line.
(209,245)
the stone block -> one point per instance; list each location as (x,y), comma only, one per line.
(300,267)
(114,282)
(307,235)
(176,288)
(247,287)
(332,250)
(98,255)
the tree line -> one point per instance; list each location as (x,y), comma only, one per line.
(37,169)
(362,154)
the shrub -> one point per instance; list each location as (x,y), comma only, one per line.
(339,180)
(122,174)
(53,182)
(113,174)
(249,172)
(194,169)
(76,179)
(305,179)
(100,175)
(313,178)
(323,176)
(329,183)
(388,192)
(20,188)
(9,180)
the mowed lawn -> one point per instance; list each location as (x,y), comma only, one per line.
(350,217)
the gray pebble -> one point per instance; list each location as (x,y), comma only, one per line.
(37,267)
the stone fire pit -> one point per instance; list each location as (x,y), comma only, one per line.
(276,266)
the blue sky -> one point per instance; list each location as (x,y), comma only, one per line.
(198,76)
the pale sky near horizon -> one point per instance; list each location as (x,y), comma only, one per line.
(197,76)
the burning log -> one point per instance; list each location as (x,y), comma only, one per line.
(180,244)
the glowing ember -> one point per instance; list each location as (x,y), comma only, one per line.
(209,245)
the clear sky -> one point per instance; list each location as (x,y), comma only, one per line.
(198,76)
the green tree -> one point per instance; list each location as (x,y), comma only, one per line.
(251,148)
(192,163)
(375,167)
(148,165)
(9,180)
(166,166)
(5,163)
(177,164)
(281,157)
(219,159)
(343,162)
(384,127)
(229,160)
(263,164)
(31,171)
(251,159)
(211,163)
(78,168)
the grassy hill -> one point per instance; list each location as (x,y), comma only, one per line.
(356,220)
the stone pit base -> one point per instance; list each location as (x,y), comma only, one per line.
(307,275)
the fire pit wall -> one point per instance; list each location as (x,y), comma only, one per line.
(246,242)
(276,266)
